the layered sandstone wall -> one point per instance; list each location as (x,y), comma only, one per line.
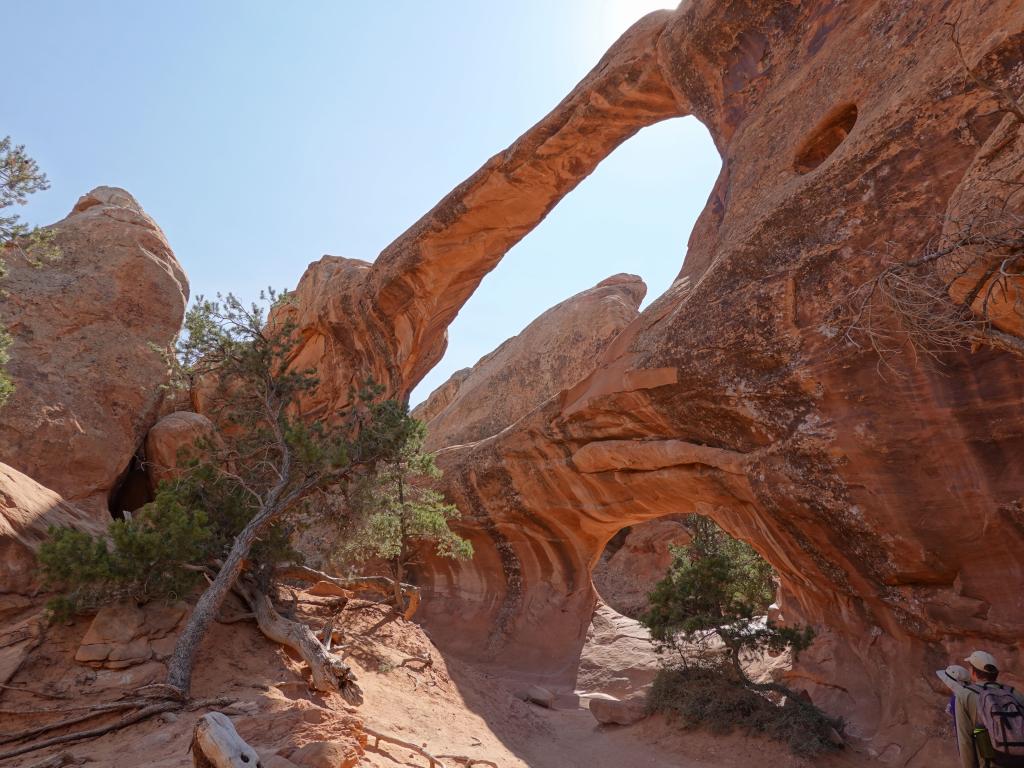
(889,505)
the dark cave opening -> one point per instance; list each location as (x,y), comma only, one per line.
(134,489)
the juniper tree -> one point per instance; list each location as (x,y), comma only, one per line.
(396,515)
(277,462)
(19,177)
(715,587)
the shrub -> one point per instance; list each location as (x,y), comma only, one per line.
(708,698)
(144,558)
(396,514)
(715,587)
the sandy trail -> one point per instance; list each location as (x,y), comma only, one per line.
(411,691)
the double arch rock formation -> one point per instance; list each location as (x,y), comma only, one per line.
(890,506)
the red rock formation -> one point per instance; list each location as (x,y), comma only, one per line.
(177,437)
(553,352)
(88,381)
(890,507)
(27,510)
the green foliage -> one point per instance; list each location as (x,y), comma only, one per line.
(270,465)
(144,558)
(696,697)
(6,384)
(396,514)
(714,588)
(19,177)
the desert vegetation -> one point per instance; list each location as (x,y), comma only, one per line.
(227,520)
(708,620)
(20,177)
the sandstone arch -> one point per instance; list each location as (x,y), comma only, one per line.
(891,508)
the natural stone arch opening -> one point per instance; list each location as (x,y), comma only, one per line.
(634,560)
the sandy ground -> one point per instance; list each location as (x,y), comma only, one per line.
(409,691)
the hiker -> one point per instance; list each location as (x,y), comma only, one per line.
(954,676)
(989,716)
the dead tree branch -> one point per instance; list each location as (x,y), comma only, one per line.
(216,744)
(378,584)
(329,673)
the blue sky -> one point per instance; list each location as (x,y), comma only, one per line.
(261,135)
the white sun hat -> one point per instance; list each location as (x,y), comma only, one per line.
(954,676)
(982,661)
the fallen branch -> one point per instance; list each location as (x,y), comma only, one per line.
(469,762)
(135,717)
(216,744)
(435,760)
(329,673)
(379,737)
(426,661)
(379,584)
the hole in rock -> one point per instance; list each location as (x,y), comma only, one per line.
(633,214)
(639,556)
(635,559)
(132,491)
(826,138)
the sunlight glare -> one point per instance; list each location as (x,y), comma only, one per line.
(620,14)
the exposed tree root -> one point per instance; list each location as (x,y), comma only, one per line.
(93,712)
(380,584)
(329,673)
(41,694)
(435,760)
(146,712)
(469,762)
(216,744)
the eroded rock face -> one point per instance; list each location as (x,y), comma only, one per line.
(88,381)
(124,635)
(624,578)
(553,352)
(889,505)
(27,510)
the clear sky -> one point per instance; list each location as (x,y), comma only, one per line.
(261,135)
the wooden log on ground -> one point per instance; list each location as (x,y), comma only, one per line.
(216,744)
(329,673)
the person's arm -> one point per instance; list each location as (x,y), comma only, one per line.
(965,733)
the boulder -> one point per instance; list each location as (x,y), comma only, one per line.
(173,441)
(539,695)
(27,510)
(618,712)
(84,328)
(618,658)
